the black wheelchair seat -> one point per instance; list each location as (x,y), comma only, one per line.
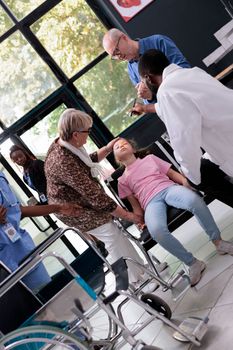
(88,265)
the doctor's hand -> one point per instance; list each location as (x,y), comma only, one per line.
(137,109)
(69,209)
(143,91)
(3,212)
(140,108)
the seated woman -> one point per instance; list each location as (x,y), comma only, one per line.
(33,171)
(72,176)
(150,185)
(16,243)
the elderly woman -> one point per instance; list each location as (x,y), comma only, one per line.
(72,177)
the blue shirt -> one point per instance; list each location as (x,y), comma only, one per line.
(11,253)
(158,42)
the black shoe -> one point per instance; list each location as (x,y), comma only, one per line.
(101,247)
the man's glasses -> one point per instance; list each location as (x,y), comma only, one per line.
(88,131)
(116,53)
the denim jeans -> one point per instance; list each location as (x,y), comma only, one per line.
(183,198)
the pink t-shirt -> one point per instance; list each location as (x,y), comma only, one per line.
(144,179)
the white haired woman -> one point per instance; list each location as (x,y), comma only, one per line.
(71,177)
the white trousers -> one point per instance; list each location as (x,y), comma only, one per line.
(119,246)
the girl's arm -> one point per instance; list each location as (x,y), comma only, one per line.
(137,209)
(178,178)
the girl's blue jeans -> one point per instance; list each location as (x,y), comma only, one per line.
(183,198)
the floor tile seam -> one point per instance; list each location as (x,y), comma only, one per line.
(193,311)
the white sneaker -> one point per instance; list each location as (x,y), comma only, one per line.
(195,271)
(224,247)
(149,288)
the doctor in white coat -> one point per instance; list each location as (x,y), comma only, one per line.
(197,110)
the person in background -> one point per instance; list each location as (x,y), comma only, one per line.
(120,47)
(33,171)
(15,242)
(72,176)
(150,185)
(197,112)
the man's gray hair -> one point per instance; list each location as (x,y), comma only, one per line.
(73,120)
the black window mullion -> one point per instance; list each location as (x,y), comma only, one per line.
(40,11)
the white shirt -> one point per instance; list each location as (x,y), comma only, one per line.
(198,112)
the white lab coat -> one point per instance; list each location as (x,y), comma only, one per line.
(198,112)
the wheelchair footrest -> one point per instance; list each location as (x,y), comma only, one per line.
(179,284)
(194,326)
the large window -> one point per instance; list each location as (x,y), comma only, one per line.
(75,35)
(25,79)
(63,40)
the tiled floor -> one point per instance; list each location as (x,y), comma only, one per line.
(212,297)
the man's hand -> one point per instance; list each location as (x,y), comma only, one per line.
(3,212)
(140,108)
(143,91)
(69,209)
(137,109)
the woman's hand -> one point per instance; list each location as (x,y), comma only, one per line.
(3,212)
(110,145)
(69,209)
(135,218)
(141,226)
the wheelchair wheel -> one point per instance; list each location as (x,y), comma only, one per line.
(103,327)
(41,337)
(157,304)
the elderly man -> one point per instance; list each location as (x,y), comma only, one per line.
(119,46)
(197,111)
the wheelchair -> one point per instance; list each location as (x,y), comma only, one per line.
(66,319)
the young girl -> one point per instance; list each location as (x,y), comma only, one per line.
(150,185)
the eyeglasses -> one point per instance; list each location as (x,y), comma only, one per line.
(116,53)
(88,131)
